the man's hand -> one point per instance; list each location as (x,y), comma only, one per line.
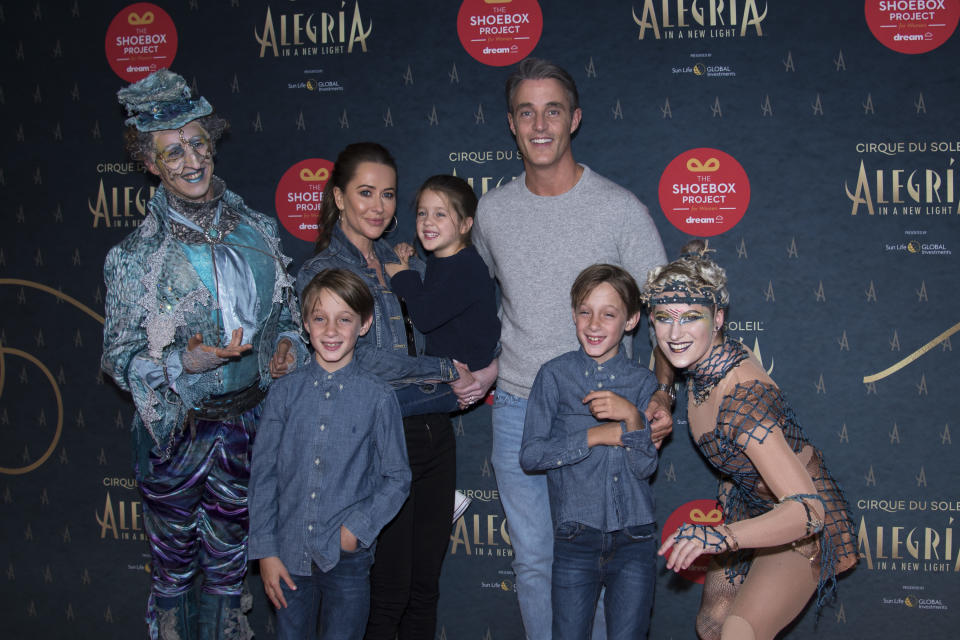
(272,570)
(659,416)
(282,359)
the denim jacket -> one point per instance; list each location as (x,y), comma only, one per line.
(156,300)
(604,487)
(383,350)
(330,451)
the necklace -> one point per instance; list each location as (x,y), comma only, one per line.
(722,358)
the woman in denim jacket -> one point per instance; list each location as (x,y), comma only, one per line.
(358,206)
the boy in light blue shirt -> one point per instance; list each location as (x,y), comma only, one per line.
(329,470)
(585,427)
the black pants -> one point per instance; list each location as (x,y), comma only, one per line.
(405,579)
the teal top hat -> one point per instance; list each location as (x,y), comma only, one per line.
(161,101)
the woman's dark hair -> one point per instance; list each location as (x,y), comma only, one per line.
(343,171)
(139,144)
(458,194)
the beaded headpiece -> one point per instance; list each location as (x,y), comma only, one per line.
(161,101)
(681,290)
(682,293)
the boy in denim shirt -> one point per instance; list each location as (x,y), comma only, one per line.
(598,475)
(329,470)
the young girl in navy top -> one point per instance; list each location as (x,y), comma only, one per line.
(454,305)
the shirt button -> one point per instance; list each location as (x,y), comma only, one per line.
(313,496)
(616,478)
(310,527)
(559,462)
(330,375)
(316,383)
(326,395)
(627,448)
(317,462)
(322,427)
(599,385)
(612,377)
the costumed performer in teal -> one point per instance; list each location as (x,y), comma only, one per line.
(200,315)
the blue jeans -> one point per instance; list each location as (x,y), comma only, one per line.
(419,400)
(345,595)
(527,507)
(586,560)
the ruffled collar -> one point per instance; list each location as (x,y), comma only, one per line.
(721,359)
(204,215)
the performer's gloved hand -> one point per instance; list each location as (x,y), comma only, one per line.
(200,357)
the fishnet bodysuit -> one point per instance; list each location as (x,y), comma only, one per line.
(735,404)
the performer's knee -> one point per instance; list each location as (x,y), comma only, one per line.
(737,628)
(708,624)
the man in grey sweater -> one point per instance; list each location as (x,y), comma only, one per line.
(536,234)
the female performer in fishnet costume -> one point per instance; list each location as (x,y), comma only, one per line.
(787,530)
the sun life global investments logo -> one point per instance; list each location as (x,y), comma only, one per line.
(317,33)
(699,20)
(704,69)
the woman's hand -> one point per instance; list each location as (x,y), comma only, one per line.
(691,541)
(472,386)
(272,570)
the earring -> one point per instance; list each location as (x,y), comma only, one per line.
(395,225)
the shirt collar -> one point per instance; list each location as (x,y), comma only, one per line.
(340,374)
(613,364)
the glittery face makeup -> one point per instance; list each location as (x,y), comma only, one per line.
(686,332)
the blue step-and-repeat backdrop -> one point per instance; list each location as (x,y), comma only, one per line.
(816,143)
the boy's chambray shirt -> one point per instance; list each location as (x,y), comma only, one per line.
(329,451)
(606,487)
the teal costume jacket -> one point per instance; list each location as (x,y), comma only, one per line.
(156,301)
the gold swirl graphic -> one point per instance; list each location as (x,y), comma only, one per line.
(4,351)
(59,294)
(15,471)
(913,356)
